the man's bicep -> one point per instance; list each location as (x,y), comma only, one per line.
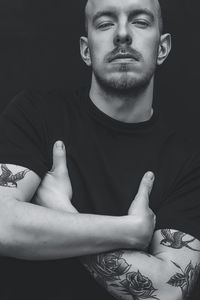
(17,182)
(181,252)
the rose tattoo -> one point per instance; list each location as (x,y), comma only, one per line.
(109,266)
(138,286)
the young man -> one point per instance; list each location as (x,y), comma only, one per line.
(113,136)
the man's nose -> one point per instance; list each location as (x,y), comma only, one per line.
(122,36)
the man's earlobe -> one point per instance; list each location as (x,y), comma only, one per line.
(85,51)
(164,48)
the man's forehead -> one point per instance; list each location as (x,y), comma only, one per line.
(93,6)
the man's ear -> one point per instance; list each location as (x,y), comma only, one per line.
(85,51)
(164,48)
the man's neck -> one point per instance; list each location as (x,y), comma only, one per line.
(129,108)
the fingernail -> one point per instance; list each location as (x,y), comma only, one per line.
(59,144)
(150,176)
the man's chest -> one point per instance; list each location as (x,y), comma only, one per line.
(106,166)
(106,175)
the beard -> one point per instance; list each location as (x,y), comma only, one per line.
(124,81)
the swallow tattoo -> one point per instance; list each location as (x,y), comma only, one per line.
(175,240)
(8,179)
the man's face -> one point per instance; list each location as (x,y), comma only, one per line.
(123,41)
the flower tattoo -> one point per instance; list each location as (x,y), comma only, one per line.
(186,280)
(108,269)
(139,286)
(109,266)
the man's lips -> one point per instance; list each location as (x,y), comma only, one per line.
(125,57)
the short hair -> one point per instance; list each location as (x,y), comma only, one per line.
(160,16)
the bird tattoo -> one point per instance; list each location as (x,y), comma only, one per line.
(8,179)
(175,240)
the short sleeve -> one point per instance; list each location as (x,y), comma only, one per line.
(22,133)
(181,208)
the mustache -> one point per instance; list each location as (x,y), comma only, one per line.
(123,51)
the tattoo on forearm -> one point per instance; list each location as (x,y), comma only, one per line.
(138,286)
(186,279)
(8,179)
(108,268)
(175,240)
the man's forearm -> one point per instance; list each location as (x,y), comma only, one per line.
(170,272)
(30,231)
(128,275)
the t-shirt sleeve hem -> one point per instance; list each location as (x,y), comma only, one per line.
(32,165)
(181,225)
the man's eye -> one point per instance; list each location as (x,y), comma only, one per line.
(140,23)
(105,25)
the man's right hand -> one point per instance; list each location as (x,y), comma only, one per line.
(140,210)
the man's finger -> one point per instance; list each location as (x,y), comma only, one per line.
(142,198)
(59,158)
(146,184)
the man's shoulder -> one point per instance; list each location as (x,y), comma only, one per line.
(183,148)
(177,145)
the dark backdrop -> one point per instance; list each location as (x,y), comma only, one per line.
(39,47)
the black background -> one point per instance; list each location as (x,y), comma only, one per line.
(40,49)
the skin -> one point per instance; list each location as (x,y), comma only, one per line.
(123,88)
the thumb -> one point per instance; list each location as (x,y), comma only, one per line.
(59,158)
(142,198)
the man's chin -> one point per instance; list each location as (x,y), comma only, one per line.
(122,83)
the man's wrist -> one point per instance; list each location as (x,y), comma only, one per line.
(134,235)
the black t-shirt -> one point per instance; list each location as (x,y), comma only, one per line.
(106,161)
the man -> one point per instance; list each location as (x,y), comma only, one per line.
(113,136)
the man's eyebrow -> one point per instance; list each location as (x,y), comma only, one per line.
(142,11)
(131,13)
(104,13)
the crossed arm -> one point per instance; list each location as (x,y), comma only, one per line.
(29,231)
(168,271)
